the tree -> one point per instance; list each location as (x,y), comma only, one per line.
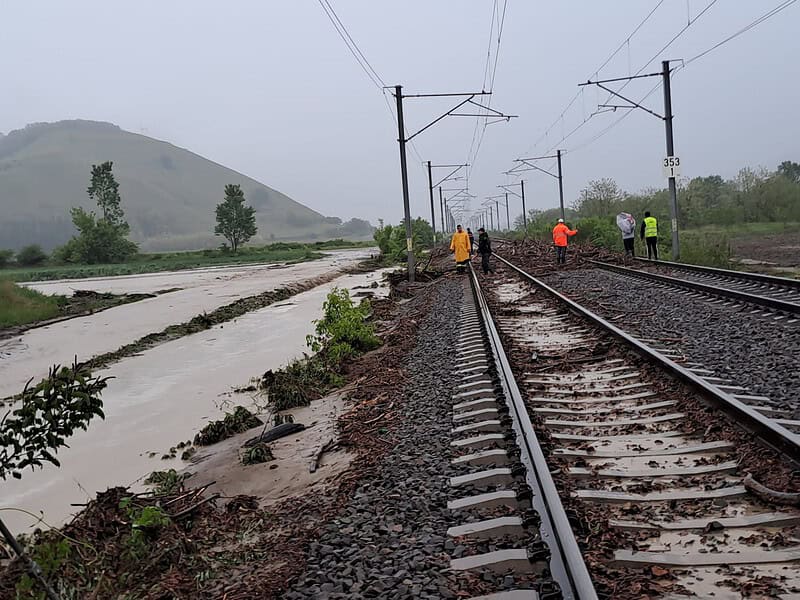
(790,170)
(235,221)
(5,257)
(600,198)
(99,240)
(105,190)
(31,256)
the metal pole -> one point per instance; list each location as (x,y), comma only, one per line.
(560,185)
(508,214)
(398,90)
(433,212)
(491,219)
(524,214)
(34,568)
(497,208)
(441,213)
(673,191)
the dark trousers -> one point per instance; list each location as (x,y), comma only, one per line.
(561,254)
(485,263)
(652,247)
(628,242)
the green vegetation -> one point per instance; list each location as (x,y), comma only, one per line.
(31,256)
(100,239)
(146,523)
(50,556)
(5,258)
(342,334)
(169,193)
(392,239)
(235,221)
(166,482)
(177,261)
(256,454)
(19,305)
(46,415)
(712,212)
(238,421)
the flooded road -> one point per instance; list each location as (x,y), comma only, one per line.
(32,353)
(164,396)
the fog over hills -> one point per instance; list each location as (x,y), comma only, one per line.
(168,193)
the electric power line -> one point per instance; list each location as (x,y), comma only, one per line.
(744,29)
(351,44)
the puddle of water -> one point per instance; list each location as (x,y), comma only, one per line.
(31,354)
(163,396)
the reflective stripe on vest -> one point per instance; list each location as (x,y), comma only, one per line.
(650,227)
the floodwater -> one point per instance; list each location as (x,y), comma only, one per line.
(163,396)
(32,353)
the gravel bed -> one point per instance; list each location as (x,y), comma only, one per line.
(753,351)
(390,540)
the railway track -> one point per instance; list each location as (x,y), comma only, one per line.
(776,295)
(609,471)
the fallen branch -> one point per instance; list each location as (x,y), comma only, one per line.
(185,513)
(785,498)
(314,464)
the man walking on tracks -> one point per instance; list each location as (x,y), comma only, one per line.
(649,233)
(560,235)
(471,241)
(485,250)
(461,247)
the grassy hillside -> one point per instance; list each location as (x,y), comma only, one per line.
(168,193)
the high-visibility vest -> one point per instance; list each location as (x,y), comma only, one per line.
(650,227)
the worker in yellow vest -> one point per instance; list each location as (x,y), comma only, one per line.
(649,233)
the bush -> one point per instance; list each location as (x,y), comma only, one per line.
(32,255)
(5,257)
(298,383)
(238,421)
(599,231)
(63,402)
(343,331)
(704,249)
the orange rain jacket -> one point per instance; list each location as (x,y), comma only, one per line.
(560,233)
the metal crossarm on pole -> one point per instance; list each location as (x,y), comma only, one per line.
(667,118)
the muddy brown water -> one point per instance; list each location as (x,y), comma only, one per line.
(161,397)
(31,354)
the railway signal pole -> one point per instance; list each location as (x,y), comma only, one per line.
(403,140)
(671,162)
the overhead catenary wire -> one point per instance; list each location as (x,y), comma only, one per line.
(770,13)
(744,29)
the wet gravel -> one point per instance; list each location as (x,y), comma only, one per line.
(390,540)
(753,351)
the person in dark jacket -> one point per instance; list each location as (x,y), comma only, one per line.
(485,250)
(471,241)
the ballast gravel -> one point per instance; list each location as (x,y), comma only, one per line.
(753,351)
(390,540)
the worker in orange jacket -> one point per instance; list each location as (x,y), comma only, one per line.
(561,233)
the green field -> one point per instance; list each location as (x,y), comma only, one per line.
(176,261)
(19,305)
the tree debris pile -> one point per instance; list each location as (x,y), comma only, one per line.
(172,546)
(538,257)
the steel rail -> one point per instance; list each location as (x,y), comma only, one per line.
(766,301)
(771,433)
(728,273)
(567,566)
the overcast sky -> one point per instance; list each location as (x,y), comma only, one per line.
(268,88)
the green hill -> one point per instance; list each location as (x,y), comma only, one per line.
(168,193)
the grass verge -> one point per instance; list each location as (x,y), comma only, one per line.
(20,306)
